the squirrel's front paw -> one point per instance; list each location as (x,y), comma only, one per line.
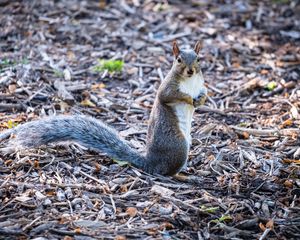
(188,99)
(200,100)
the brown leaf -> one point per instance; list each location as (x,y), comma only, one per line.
(132,211)
(264,71)
(12,88)
(36,164)
(68,238)
(63,220)
(262,226)
(288,183)
(50,192)
(291,161)
(270,224)
(245,135)
(120,237)
(167,226)
(98,86)
(152,232)
(97,167)
(102,4)
(8,162)
(71,56)
(286,123)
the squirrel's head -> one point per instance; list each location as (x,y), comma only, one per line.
(186,61)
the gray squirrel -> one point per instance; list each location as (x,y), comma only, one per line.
(168,138)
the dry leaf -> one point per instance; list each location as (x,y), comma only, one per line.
(23,198)
(132,211)
(294,112)
(286,123)
(132,70)
(165,192)
(270,224)
(167,226)
(262,226)
(87,103)
(8,162)
(245,135)
(68,238)
(288,183)
(123,188)
(63,220)
(67,75)
(264,71)
(98,86)
(97,167)
(71,56)
(12,88)
(236,64)
(221,180)
(120,237)
(39,195)
(102,4)
(50,192)
(36,164)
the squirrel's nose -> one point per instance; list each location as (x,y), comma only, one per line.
(190,71)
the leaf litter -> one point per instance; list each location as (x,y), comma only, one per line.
(242,178)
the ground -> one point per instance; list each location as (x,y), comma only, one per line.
(242,179)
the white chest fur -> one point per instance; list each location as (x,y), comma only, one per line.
(192,86)
(184,112)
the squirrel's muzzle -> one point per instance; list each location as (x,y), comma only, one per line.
(190,71)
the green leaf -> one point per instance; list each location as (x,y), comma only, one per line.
(271,86)
(4,63)
(11,124)
(121,163)
(222,219)
(109,65)
(58,73)
(24,61)
(209,209)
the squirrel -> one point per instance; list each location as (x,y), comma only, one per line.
(168,138)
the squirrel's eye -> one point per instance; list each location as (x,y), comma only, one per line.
(198,59)
(179,60)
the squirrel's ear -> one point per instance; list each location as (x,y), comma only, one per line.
(175,49)
(197,47)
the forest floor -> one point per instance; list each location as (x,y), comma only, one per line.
(242,179)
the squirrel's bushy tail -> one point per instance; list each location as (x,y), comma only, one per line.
(87,131)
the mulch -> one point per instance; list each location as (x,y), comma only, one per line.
(242,179)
